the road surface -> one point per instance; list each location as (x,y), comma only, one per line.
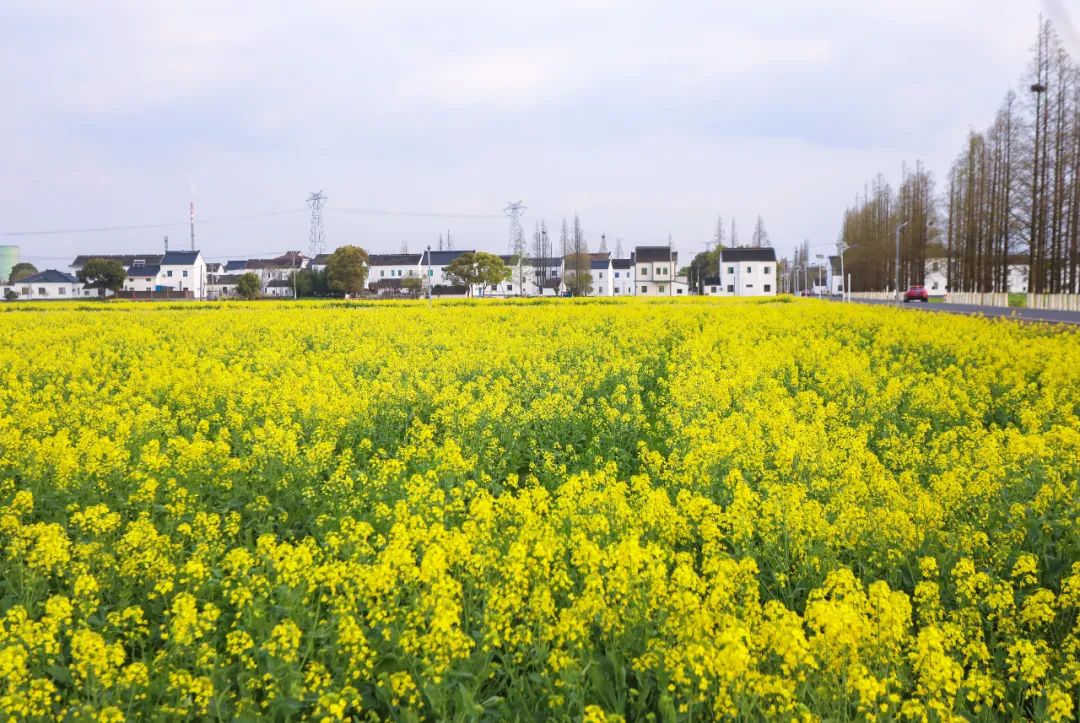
(1020,314)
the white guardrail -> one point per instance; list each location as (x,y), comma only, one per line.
(1054,302)
(1050,302)
(978,298)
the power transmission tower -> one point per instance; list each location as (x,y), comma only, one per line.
(317,239)
(517,237)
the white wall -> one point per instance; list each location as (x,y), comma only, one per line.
(750,278)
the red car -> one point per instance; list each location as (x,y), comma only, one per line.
(917,293)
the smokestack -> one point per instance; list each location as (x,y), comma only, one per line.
(192,207)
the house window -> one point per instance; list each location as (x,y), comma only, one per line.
(731,269)
(768,288)
(663,270)
(42,292)
(509,287)
(430,273)
(169,273)
(934,268)
(768,270)
(601,274)
(644,270)
(382,272)
(63,291)
(749,286)
(749,269)
(616,274)
(661,289)
(712,289)
(679,291)
(185,274)
(731,288)
(644,289)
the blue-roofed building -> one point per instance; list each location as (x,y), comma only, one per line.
(49,284)
(183,271)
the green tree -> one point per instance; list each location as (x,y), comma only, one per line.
(706,263)
(248,285)
(347,270)
(577,277)
(10,295)
(412,284)
(477,269)
(21,270)
(106,274)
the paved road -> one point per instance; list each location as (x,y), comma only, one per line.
(1057,317)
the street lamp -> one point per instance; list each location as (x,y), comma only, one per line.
(841,247)
(898,230)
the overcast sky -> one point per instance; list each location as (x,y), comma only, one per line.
(643,117)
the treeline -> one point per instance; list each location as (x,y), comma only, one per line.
(1012,197)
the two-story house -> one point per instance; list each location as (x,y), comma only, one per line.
(748,271)
(654,269)
(183,271)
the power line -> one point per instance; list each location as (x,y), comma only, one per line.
(143,227)
(412,214)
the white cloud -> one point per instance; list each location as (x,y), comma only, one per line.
(643,116)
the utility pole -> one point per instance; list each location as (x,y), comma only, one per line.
(317,238)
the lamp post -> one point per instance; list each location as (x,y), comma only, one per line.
(841,247)
(898,230)
(429,275)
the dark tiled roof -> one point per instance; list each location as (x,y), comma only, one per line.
(222,279)
(179,258)
(321,259)
(651,254)
(144,271)
(621,263)
(598,264)
(394,259)
(235,265)
(747,254)
(48,276)
(711,281)
(266,264)
(125,259)
(442,258)
(278,283)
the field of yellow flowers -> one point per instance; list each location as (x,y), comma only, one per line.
(600,510)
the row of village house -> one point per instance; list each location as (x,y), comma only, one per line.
(650,271)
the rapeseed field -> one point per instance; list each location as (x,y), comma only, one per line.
(602,510)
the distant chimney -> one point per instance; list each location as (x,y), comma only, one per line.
(166,244)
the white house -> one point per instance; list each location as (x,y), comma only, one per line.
(279,288)
(183,271)
(46,285)
(654,269)
(387,271)
(622,277)
(602,275)
(221,286)
(431,268)
(142,277)
(748,271)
